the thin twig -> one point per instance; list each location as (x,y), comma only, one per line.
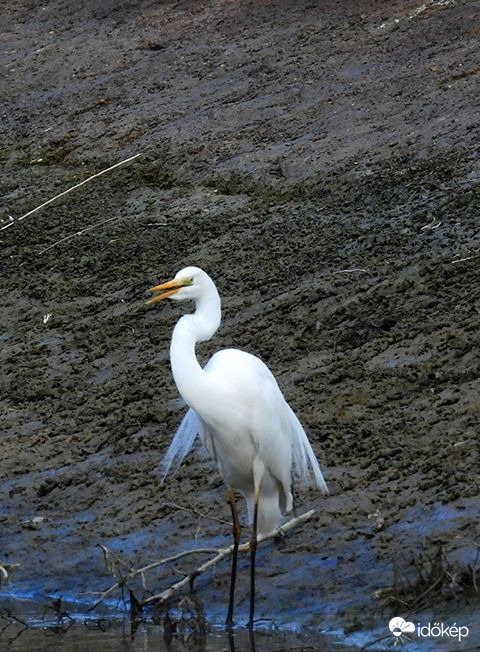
(196,511)
(6,570)
(431,227)
(65,192)
(73,235)
(376,640)
(461,260)
(468,297)
(108,554)
(474,568)
(141,571)
(221,554)
(474,579)
(418,601)
(353,269)
(3,573)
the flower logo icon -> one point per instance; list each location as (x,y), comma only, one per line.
(399,627)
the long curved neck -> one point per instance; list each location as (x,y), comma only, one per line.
(192,382)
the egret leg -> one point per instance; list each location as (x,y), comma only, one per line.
(253,552)
(251,636)
(231,640)
(236,541)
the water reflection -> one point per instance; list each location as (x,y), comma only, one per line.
(58,625)
(108,636)
(75,637)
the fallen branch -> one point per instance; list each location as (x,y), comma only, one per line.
(222,553)
(65,192)
(140,571)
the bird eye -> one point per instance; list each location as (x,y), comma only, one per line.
(188,281)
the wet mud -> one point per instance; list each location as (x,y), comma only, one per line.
(320,161)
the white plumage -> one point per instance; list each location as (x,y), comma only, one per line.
(242,418)
(237,409)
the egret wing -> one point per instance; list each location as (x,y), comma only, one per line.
(190,427)
(278,428)
(304,461)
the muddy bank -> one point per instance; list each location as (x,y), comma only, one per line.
(321,163)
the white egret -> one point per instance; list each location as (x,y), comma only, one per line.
(241,416)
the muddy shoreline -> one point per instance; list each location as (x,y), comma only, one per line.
(320,161)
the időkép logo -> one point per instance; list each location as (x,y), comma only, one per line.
(400,628)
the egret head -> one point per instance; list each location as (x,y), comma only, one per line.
(189,283)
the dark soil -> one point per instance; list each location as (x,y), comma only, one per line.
(321,162)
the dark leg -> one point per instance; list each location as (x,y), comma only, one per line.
(251,635)
(236,541)
(231,639)
(253,551)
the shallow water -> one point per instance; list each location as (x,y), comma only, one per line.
(109,637)
(29,625)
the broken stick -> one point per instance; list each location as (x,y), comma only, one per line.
(65,192)
(221,554)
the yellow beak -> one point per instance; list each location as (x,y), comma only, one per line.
(170,286)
